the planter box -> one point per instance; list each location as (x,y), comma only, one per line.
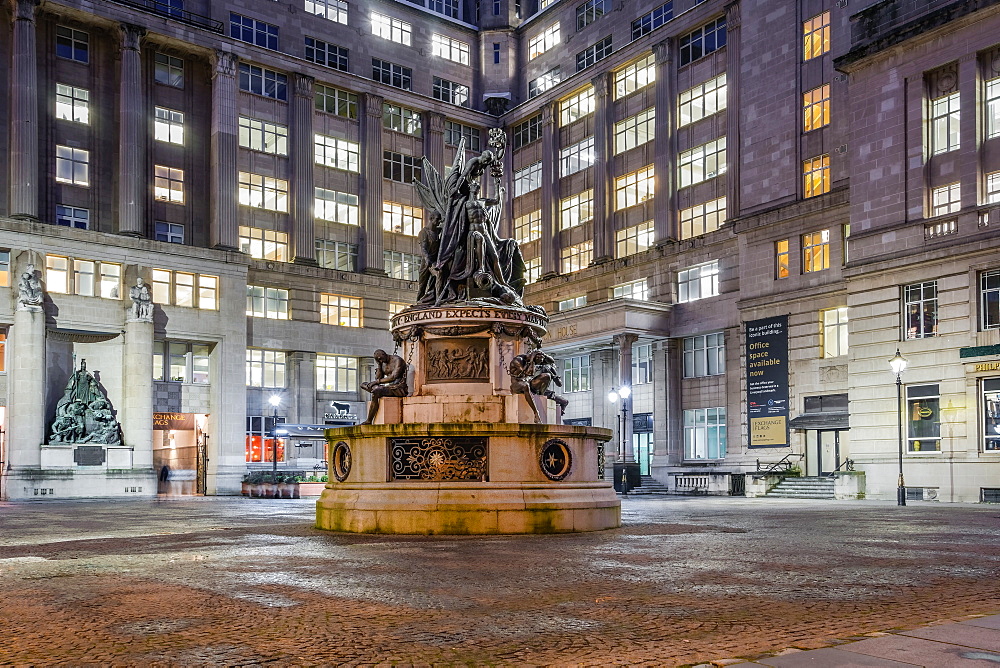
(311,488)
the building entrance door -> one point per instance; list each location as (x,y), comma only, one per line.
(179,453)
(824,452)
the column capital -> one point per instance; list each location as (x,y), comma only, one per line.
(131,35)
(733,16)
(663,51)
(303,85)
(625,341)
(24,10)
(549,114)
(373,104)
(224,63)
(602,84)
(435,122)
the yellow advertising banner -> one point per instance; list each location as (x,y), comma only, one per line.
(768,431)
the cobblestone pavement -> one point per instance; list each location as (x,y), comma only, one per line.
(232,581)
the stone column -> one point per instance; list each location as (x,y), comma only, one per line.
(733,110)
(136,411)
(968,85)
(26,416)
(604,177)
(673,414)
(371,242)
(23,93)
(665,145)
(434,139)
(624,344)
(550,190)
(133,173)
(225,126)
(303,184)
(304,394)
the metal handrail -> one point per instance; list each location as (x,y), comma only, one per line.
(161,8)
(783,464)
(847,465)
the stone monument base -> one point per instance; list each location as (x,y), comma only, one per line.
(467,478)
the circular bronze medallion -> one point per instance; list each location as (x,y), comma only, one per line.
(341,461)
(555,459)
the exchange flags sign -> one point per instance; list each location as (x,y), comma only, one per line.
(767,382)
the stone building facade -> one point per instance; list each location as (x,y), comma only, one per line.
(677,169)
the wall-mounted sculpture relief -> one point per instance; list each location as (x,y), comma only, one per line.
(458,360)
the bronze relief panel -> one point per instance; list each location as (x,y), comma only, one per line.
(457,360)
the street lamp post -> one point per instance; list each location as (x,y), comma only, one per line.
(275,402)
(898,365)
(623,393)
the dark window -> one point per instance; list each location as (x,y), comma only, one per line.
(528,131)
(327,54)
(496,53)
(392,74)
(72,44)
(172,233)
(703,41)
(168,70)
(449,91)
(401,168)
(261,81)
(989,295)
(446,7)
(169,7)
(647,23)
(455,132)
(253,31)
(589,12)
(592,54)
(920,305)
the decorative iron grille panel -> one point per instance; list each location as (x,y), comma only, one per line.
(453,458)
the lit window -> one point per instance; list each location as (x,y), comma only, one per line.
(649,22)
(577,257)
(449,49)
(635,239)
(4,270)
(635,130)
(336,206)
(698,282)
(705,433)
(816,175)
(264,82)
(637,290)
(336,255)
(168,184)
(816,108)
(592,54)
(401,119)
(635,76)
(391,28)
(528,227)
(336,373)
(263,136)
(993,188)
(945,114)
(263,192)
(340,310)
(704,355)
(923,418)
(528,131)
(576,374)
(590,11)
(703,218)
(82,277)
(543,41)
(992,99)
(989,300)
(572,303)
(576,107)
(401,168)
(642,363)
(532,270)
(920,304)
(72,44)
(402,219)
(336,101)
(179,289)
(528,179)
(57,274)
(782,263)
(816,36)
(815,251)
(264,244)
(72,166)
(330,55)
(395,308)
(705,40)
(265,302)
(577,157)
(179,361)
(172,233)
(392,74)
(168,70)
(265,368)
(72,216)
(544,82)
(702,162)
(72,104)
(946,199)
(991,414)
(454,133)
(576,210)
(451,92)
(702,101)
(834,321)
(634,188)
(337,153)
(333,10)
(253,31)
(168,126)
(404,266)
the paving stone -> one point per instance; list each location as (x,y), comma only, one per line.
(918,651)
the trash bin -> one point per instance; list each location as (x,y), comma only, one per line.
(631,473)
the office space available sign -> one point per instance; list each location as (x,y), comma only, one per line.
(767,382)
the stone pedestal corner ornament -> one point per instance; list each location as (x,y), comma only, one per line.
(29,291)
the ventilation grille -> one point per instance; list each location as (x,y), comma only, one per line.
(991,494)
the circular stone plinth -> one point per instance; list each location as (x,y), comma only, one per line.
(473,479)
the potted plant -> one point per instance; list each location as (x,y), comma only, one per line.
(245,486)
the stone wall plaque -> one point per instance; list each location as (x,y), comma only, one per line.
(89,455)
(457,360)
